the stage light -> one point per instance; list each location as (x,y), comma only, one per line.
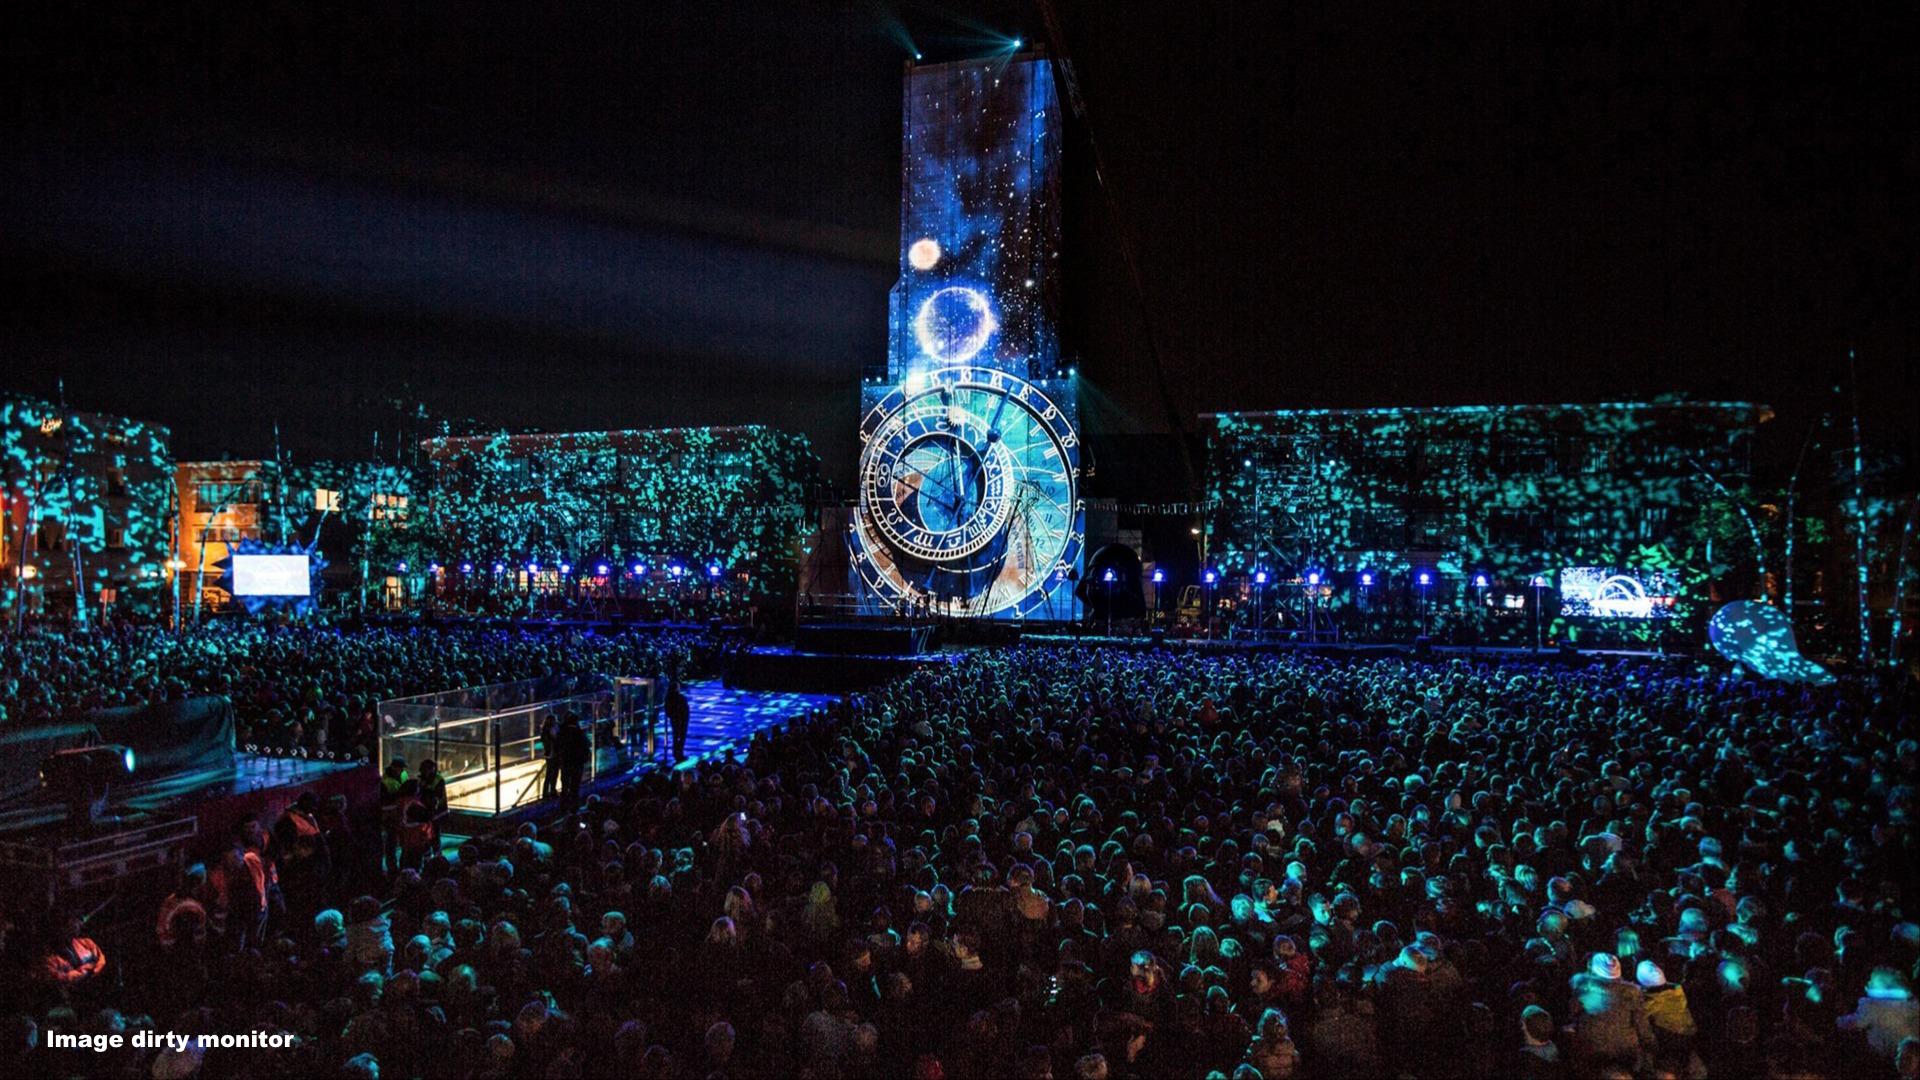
(1313,577)
(639,569)
(916,56)
(533,568)
(1211,577)
(676,570)
(924,253)
(82,776)
(1366,578)
(499,568)
(1426,578)
(1539,582)
(466,568)
(1260,577)
(433,568)
(401,568)
(601,569)
(1159,576)
(1479,581)
(1108,576)
(565,569)
(713,570)
(1017,43)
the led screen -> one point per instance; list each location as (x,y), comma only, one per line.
(1604,593)
(271,575)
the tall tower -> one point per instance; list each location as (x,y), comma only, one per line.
(970,457)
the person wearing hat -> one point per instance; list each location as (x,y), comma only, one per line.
(1610,1028)
(1667,1012)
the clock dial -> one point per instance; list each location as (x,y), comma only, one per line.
(968,494)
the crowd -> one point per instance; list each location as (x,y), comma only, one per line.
(1100,863)
(311,687)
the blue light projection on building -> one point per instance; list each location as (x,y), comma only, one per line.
(970,461)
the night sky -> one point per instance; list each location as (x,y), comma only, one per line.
(587,216)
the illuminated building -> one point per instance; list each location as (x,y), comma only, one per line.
(84,497)
(222,504)
(1610,495)
(732,496)
(969,497)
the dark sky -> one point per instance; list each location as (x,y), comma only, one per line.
(639,214)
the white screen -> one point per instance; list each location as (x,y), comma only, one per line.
(270,575)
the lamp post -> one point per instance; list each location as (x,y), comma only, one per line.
(1159,578)
(1313,606)
(1366,603)
(1480,617)
(1426,579)
(1259,605)
(1539,584)
(1211,577)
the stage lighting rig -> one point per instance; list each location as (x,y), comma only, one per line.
(83,776)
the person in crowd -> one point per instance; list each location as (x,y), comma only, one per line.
(1610,1030)
(679,718)
(183,914)
(72,961)
(1538,1057)
(550,753)
(576,751)
(246,885)
(1099,852)
(300,846)
(1887,1013)
(396,788)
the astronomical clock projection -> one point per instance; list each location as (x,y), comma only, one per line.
(970,460)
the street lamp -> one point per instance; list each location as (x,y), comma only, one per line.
(1539,583)
(1366,602)
(1480,617)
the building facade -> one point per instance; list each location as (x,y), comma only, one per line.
(222,505)
(547,511)
(1568,520)
(86,512)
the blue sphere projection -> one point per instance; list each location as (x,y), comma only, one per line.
(953,324)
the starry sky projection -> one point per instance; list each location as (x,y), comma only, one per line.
(979,219)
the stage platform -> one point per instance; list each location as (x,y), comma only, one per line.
(774,669)
(865,638)
(1550,653)
(720,718)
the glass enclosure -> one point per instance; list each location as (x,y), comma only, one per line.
(494,743)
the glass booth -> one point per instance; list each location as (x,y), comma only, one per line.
(490,741)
